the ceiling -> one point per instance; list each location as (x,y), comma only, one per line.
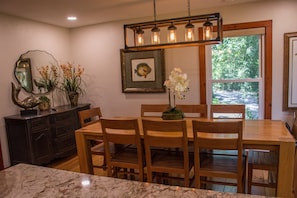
(91,12)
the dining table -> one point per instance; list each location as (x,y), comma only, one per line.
(257,134)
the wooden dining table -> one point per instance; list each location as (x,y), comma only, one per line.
(257,134)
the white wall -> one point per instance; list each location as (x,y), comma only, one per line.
(97,48)
(17,36)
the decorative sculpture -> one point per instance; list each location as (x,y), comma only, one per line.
(28,103)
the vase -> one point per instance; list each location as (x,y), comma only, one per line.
(44,106)
(73,98)
(173,114)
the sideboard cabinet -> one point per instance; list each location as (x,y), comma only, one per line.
(41,138)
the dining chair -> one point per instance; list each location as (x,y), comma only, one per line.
(153,110)
(87,117)
(227,111)
(209,167)
(193,110)
(129,159)
(265,159)
(161,138)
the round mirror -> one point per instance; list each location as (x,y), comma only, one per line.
(37,71)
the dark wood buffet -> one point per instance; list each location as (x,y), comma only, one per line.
(39,139)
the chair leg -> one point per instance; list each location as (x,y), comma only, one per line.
(250,178)
(149,176)
(109,171)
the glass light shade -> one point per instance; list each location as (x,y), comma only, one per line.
(189,32)
(171,34)
(139,37)
(207,30)
(155,35)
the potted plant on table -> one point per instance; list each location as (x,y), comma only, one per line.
(71,82)
(177,85)
(45,103)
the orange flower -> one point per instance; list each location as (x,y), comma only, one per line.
(71,78)
(49,76)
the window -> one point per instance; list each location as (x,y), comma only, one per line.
(249,81)
(236,74)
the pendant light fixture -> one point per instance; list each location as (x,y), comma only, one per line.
(189,24)
(139,37)
(189,28)
(207,30)
(172,33)
(155,32)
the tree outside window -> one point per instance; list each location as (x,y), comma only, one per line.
(236,73)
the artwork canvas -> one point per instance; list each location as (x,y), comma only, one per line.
(143,71)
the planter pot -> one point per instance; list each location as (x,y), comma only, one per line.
(44,106)
(73,98)
(173,114)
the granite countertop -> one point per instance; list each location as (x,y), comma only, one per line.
(28,181)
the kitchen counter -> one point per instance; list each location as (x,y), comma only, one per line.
(27,181)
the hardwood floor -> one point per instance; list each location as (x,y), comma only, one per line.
(71,164)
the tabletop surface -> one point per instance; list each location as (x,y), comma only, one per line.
(27,181)
(272,131)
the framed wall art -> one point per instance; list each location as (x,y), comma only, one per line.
(290,72)
(143,71)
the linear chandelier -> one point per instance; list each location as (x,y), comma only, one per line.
(176,32)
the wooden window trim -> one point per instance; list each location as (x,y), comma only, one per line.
(267,63)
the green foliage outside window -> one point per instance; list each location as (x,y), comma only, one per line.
(233,62)
(236,58)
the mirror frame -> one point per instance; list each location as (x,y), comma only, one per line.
(290,68)
(27,60)
(23,71)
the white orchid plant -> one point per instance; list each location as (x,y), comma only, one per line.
(177,84)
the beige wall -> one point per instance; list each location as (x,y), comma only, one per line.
(97,48)
(18,36)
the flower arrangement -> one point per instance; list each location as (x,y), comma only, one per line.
(72,80)
(49,78)
(177,85)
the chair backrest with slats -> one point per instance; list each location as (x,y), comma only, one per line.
(165,134)
(193,110)
(121,132)
(227,111)
(153,110)
(89,116)
(224,136)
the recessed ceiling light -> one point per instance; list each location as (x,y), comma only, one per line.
(71,18)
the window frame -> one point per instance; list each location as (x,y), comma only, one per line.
(267,73)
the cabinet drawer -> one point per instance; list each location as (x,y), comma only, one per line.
(39,124)
(65,146)
(62,118)
(63,129)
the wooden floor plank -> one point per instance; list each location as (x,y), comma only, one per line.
(71,164)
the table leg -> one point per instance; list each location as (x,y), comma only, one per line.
(84,153)
(286,170)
